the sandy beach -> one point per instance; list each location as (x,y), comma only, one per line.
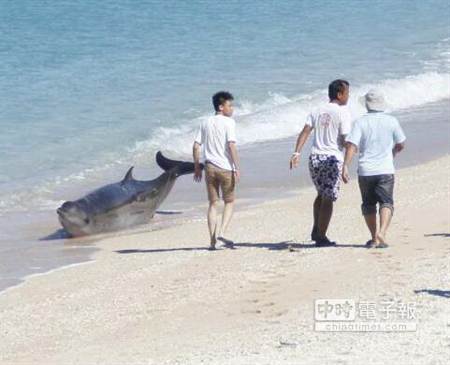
(161,298)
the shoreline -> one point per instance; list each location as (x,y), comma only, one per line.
(195,216)
(188,199)
(143,288)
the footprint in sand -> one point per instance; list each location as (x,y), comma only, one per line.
(258,291)
(376,253)
(289,263)
(256,311)
(279,314)
(270,304)
(399,283)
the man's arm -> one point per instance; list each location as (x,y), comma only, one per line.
(235,158)
(301,140)
(398,148)
(196,148)
(350,150)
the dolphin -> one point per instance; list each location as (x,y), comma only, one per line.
(126,203)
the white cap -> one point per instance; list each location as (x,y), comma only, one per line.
(374,101)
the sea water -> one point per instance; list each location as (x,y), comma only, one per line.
(88,88)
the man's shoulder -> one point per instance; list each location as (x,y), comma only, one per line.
(222,118)
(376,120)
(340,111)
(389,119)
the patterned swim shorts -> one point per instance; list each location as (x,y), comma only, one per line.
(325,173)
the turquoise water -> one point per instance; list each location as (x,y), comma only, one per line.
(90,87)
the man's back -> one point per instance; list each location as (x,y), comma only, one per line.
(214,134)
(376,133)
(329,122)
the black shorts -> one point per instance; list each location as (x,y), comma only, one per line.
(376,189)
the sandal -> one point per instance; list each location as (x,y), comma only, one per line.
(325,242)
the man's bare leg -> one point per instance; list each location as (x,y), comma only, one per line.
(385,220)
(371,221)
(316,210)
(212,222)
(325,213)
(226,217)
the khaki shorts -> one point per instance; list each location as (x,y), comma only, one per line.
(216,178)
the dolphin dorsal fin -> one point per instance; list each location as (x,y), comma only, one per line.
(128,175)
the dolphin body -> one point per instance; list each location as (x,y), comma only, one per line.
(122,204)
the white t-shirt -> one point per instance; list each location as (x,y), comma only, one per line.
(375,134)
(329,122)
(214,135)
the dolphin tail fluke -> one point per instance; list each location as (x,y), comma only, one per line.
(182,167)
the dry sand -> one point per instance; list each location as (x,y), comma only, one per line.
(161,298)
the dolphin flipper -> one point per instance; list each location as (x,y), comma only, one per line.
(167,164)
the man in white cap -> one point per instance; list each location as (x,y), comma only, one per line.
(379,137)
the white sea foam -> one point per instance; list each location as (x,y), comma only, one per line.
(281,117)
(276,118)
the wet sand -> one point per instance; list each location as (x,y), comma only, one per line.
(161,298)
(30,242)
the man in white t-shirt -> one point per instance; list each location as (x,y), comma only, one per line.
(217,136)
(330,123)
(379,137)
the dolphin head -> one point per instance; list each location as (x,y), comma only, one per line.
(73,218)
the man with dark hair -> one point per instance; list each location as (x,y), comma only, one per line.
(336,87)
(221,98)
(331,123)
(379,137)
(217,136)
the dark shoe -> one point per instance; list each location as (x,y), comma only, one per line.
(325,242)
(382,245)
(314,234)
(212,245)
(370,244)
(226,242)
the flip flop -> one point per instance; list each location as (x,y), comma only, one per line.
(370,244)
(227,243)
(382,245)
(325,242)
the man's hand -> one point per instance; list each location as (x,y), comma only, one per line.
(345,175)
(198,173)
(237,176)
(293,163)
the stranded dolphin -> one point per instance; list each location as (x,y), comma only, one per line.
(122,204)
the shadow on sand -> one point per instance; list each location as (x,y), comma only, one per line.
(447,235)
(436,292)
(277,246)
(59,234)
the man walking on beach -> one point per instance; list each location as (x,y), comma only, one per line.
(331,123)
(379,138)
(217,136)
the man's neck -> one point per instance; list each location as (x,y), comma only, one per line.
(221,114)
(335,101)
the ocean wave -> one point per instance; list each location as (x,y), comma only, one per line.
(281,117)
(276,118)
